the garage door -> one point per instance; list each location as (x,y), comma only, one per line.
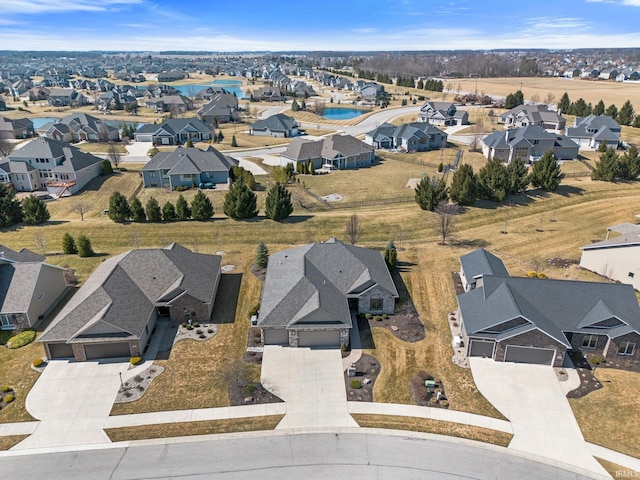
(107,350)
(60,350)
(276,337)
(480,348)
(319,339)
(542,356)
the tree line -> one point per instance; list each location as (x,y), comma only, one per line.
(580,108)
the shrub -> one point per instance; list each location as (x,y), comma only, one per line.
(21,339)
(182,188)
(356,384)
(189,327)
(135,360)
(532,274)
(195,324)
(8,398)
(368,316)
(6,388)
(184,324)
(249,388)
(254,310)
(444,403)
(377,318)
(385,316)
(37,362)
(209,330)
(198,331)
(433,400)
(542,275)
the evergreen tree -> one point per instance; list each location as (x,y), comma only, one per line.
(430,192)
(262,256)
(420,84)
(580,108)
(119,209)
(84,247)
(626,114)
(10,209)
(564,103)
(34,210)
(201,207)
(630,164)
(107,168)
(240,202)
(607,168)
(546,173)
(599,108)
(294,106)
(311,168)
(518,177)
(183,211)
(152,209)
(391,255)
(234,143)
(69,245)
(493,181)
(464,186)
(278,203)
(304,104)
(514,99)
(169,212)
(612,111)
(137,211)
(239,173)
(636,121)
(189,143)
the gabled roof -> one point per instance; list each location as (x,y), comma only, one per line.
(276,123)
(599,127)
(17,282)
(190,161)
(481,262)
(347,145)
(301,149)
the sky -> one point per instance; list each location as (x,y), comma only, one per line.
(341,25)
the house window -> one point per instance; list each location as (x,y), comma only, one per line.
(626,348)
(152,174)
(376,304)
(590,341)
(6,322)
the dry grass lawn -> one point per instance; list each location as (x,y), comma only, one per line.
(167,430)
(100,148)
(617,471)
(436,427)
(10,441)
(610,417)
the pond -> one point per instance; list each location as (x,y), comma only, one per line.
(231,86)
(40,121)
(342,113)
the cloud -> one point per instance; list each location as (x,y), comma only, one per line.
(58,6)
(631,3)
(553,23)
(365,30)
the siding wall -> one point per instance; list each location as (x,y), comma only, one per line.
(364,302)
(47,292)
(614,263)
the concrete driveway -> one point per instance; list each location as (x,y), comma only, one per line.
(532,398)
(311,381)
(72,400)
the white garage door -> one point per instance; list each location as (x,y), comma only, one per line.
(540,356)
(107,350)
(329,338)
(481,348)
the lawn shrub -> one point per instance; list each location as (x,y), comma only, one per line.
(182,188)
(385,316)
(356,384)
(249,388)
(444,403)
(377,318)
(368,316)
(195,324)
(184,324)
(20,340)
(37,362)
(209,330)
(5,388)
(135,360)
(8,398)
(254,310)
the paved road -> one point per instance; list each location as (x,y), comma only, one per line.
(280,455)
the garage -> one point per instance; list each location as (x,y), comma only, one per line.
(540,356)
(276,337)
(323,338)
(60,350)
(481,348)
(107,350)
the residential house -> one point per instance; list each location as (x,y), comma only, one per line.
(16,128)
(176,104)
(29,288)
(527,143)
(172,76)
(312,293)
(592,131)
(268,94)
(618,257)
(278,125)
(36,93)
(409,137)
(175,131)
(3,105)
(66,97)
(115,311)
(442,114)
(368,91)
(189,167)
(524,115)
(209,92)
(534,320)
(79,127)
(334,151)
(222,106)
(58,167)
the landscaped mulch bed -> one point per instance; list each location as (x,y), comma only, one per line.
(253,341)
(561,262)
(261,273)
(428,397)
(247,393)
(367,370)
(137,386)
(201,332)
(404,323)
(588,381)
(7,394)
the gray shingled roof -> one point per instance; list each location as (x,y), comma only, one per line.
(17,282)
(70,158)
(276,123)
(22,255)
(123,291)
(190,161)
(311,284)
(301,149)
(481,262)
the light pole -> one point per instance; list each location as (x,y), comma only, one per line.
(121,383)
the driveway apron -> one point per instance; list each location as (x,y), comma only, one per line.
(311,382)
(72,400)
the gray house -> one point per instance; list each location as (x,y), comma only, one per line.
(116,309)
(187,167)
(443,114)
(279,125)
(222,106)
(533,320)
(592,131)
(527,143)
(81,127)
(312,293)
(524,115)
(174,131)
(409,137)
(334,151)
(16,128)
(29,288)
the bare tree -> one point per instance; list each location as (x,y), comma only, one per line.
(114,154)
(535,98)
(80,208)
(353,229)
(41,242)
(135,238)
(6,145)
(549,98)
(319,107)
(445,219)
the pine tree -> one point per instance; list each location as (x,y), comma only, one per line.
(169,212)
(10,209)
(430,192)
(612,111)
(564,103)
(84,247)
(262,256)
(240,202)
(518,177)
(493,181)
(599,108)
(137,211)
(233,141)
(34,210)
(69,245)
(183,211)
(580,108)
(201,207)
(636,122)
(464,186)
(311,168)
(607,168)
(107,168)
(630,164)
(189,143)
(152,209)
(119,209)
(626,114)
(391,255)
(546,173)
(294,106)
(278,203)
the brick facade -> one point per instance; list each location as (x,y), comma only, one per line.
(578,338)
(181,308)
(534,338)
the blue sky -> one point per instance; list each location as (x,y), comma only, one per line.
(243,25)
